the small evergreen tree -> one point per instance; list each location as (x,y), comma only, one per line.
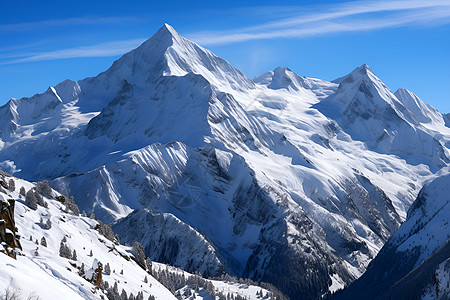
(123,295)
(64,250)
(107,270)
(30,200)
(148,263)
(81,272)
(39,199)
(72,206)
(74,255)
(48,225)
(139,254)
(139,296)
(22,191)
(43,242)
(44,188)
(11,185)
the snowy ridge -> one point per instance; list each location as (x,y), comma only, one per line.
(421,112)
(284,78)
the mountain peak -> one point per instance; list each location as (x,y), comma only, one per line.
(167,53)
(363,70)
(166,30)
(281,69)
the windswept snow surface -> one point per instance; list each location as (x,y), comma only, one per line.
(291,180)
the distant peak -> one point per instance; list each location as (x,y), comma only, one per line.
(403,90)
(282,69)
(166,30)
(363,69)
(169,29)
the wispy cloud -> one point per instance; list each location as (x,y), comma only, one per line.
(302,22)
(92,20)
(99,50)
(346,17)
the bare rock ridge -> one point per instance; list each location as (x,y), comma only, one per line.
(9,238)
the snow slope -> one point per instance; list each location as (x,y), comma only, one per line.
(38,264)
(286,179)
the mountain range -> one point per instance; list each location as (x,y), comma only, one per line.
(284,179)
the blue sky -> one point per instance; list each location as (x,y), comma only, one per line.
(406,43)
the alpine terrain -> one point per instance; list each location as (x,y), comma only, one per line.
(415,262)
(60,254)
(285,179)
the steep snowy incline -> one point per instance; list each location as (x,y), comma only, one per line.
(421,112)
(40,270)
(425,117)
(415,254)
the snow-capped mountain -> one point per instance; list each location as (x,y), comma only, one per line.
(61,249)
(285,179)
(366,109)
(414,263)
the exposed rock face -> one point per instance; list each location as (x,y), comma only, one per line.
(167,239)
(9,238)
(411,264)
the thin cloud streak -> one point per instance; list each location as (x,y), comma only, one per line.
(99,50)
(347,17)
(342,19)
(94,20)
(352,9)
